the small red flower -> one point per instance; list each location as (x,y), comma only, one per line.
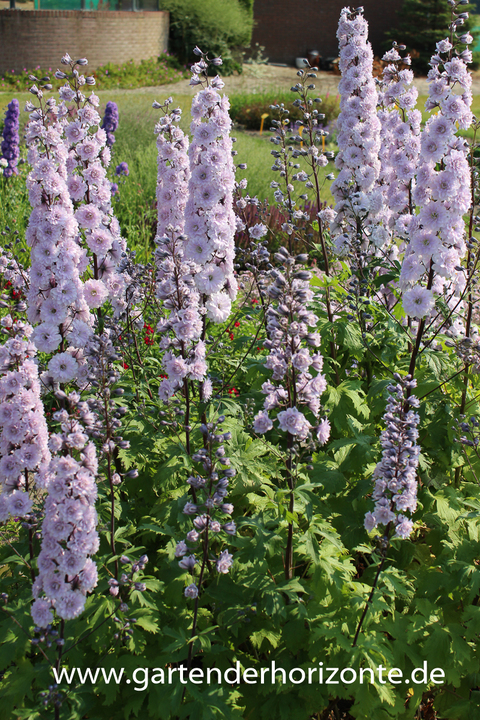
(231,336)
(237,324)
(125,366)
(254,301)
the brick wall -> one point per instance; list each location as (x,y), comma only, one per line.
(42,37)
(288,29)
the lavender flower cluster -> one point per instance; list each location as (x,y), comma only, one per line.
(358,133)
(209,217)
(173,170)
(400,137)
(11,141)
(212,487)
(395,476)
(56,296)
(69,537)
(195,233)
(24,436)
(443,188)
(88,159)
(290,338)
(175,275)
(110,122)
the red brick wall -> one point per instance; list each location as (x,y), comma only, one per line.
(289,28)
(42,37)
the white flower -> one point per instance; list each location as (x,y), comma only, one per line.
(95,293)
(210,280)
(218,307)
(418,301)
(63,367)
(258,231)
(262,423)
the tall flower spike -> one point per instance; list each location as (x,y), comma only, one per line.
(358,133)
(56,296)
(24,453)
(400,135)
(290,360)
(209,508)
(69,538)
(395,476)
(11,140)
(173,170)
(89,157)
(210,220)
(110,122)
(182,328)
(443,189)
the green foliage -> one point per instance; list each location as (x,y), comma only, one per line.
(154,71)
(247,109)
(218,27)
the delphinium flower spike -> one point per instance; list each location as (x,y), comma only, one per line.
(11,141)
(110,122)
(358,202)
(69,537)
(56,295)
(24,453)
(443,189)
(395,476)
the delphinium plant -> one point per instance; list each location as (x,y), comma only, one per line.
(284,435)
(10,146)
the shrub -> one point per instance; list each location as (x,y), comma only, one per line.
(247,110)
(219,27)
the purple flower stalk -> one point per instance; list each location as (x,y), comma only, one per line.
(110,122)
(209,218)
(10,143)
(443,189)
(395,476)
(291,336)
(182,327)
(358,134)
(400,135)
(56,296)
(209,509)
(69,538)
(173,170)
(91,192)
(24,453)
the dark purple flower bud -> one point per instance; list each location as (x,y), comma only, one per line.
(11,140)
(110,122)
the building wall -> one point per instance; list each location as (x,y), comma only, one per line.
(42,37)
(288,29)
